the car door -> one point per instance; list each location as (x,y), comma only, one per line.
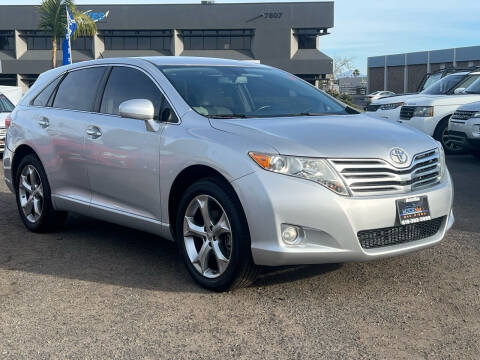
(64,117)
(123,166)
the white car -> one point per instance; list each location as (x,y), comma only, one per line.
(464,125)
(379,95)
(6,107)
(389,108)
(430,110)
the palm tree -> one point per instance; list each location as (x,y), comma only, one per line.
(53,19)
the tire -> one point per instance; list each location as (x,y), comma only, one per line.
(476,153)
(211,271)
(441,134)
(33,191)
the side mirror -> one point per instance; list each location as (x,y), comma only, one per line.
(459,90)
(141,109)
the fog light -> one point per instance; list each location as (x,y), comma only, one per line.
(291,235)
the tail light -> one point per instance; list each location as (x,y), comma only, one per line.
(8,121)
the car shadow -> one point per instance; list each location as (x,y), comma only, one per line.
(91,250)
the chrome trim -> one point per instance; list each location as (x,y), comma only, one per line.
(365,177)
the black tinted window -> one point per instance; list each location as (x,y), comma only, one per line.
(44,96)
(5,104)
(126,83)
(77,91)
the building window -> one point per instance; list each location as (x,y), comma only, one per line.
(217,39)
(7,41)
(307,38)
(42,40)
(307,42)
(137,40)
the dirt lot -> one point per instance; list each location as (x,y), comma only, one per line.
(96,290)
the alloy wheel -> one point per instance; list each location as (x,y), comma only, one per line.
(30,192)
(208,236)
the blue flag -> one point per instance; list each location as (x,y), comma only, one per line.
(67,45)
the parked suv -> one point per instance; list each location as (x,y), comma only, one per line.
(6,107)
(464,125)
(240,163)
(389,108)
(430,113)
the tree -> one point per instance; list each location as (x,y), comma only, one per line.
(356,73)
(341,65)
(53,19)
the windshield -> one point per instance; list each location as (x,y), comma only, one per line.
(468,81)
(5,104)
(474,88)
(431,79)
(236,92)
(443,86)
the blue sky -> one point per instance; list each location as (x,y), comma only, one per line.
(377,27)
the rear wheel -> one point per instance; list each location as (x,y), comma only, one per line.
(213,237)
(34,198)
(441,134)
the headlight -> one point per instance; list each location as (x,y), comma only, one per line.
(423,111)
(391,106)
(443,164)
(476,115)
(317,170)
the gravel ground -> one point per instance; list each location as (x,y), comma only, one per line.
(96,290)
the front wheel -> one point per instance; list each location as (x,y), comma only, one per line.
(213,237)
(441,134)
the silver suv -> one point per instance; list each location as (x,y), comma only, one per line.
(240,163)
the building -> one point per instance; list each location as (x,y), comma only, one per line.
(284,35)
(352,85)
(401,73)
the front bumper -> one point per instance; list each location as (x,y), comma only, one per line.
(424,124)
(330,222)
(466,133)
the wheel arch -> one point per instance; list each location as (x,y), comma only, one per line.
(437,127)
(187,177)
(20,152)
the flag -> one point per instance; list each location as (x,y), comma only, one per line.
(67,45)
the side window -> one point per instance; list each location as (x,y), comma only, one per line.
(167,114)
(5,104)
(78,90)
(45,94)
(126,83)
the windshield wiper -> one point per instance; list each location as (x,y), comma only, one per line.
(227,116)
(309,114)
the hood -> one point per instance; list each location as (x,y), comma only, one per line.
(475,106)
(341,136)
(427,100)
(393,99)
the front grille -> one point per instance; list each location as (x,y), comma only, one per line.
(462,115)
(406,112)
(377,177)
(370,239)
(371,107)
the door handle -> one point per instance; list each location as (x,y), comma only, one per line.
(94,132)
(44,122)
